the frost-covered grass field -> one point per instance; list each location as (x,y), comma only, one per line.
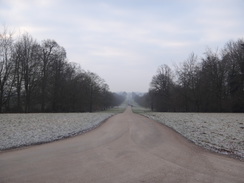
(17,130)
(221,132)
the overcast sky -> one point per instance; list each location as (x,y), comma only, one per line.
(125,41)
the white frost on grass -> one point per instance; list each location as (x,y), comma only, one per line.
(18,130)
(221,132)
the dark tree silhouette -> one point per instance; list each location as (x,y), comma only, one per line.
(38,78)
(215,83)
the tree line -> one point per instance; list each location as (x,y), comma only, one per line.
(36,77)
(213,83)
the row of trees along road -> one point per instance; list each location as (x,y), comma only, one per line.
(36,77)
(214,83)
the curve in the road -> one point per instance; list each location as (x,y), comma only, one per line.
(127,148)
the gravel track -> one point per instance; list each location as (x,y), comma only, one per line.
(220,132)
(128,148)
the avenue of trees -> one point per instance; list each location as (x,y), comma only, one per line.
(36,77)
(214,83)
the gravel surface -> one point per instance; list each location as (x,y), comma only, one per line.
(17,130)
(128,148)
(221,132)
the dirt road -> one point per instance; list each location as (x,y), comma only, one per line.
(127,148)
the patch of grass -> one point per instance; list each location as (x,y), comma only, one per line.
(115,110)
(140,110)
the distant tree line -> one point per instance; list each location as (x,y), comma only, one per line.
(214,83)
(36,77)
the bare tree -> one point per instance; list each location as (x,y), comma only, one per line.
(234,55)
(27,69)
(37,78)
(47,55)
(95,85)
(161,85)
(57,67)
(188,80)
(6,65)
